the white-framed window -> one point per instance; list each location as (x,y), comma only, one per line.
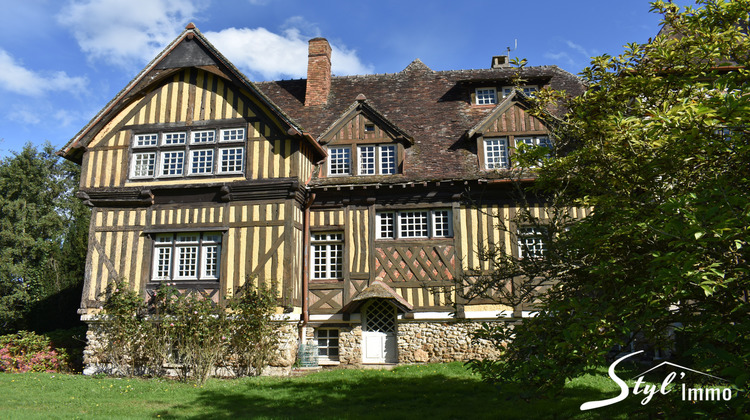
(388,160)
(233,134)
(327,255)
(377,159)
(366,160)
(531,242)
(529,90)
(172,163)
(414,224)
(203,137)
(231,159)
(144,165)
(146,140)
(170,154)
(534,141)
(202,161)
(542,141)
(441,224)
(171,139)
(485,96)
(327,340)
(496,153)
(187,256)
(339,161)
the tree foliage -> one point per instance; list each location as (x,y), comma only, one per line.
(43,239)
(659,148)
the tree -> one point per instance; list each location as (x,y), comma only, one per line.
(43,232)
(658,147)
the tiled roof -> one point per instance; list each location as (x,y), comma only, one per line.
(432,106)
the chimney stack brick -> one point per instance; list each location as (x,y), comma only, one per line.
(318,72)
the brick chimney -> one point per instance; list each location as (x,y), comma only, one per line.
(318,72)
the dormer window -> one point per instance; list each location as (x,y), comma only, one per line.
(528,90)
(377,159)
(486,96)
(496,153)
(339,161)
(370,159)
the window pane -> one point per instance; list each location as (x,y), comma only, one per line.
(210,261)
(531,242)
(172,163)
(142,140)
(173,138)
(187,266)
(144,165)
(367,160)
(233,134)
(328,255)
(163,263)
(386,222)
(204,136)
(486,96)
(201,161)
(496,153)
(232,159)
(387,160)
(441,223)
(412,224)
(339,161)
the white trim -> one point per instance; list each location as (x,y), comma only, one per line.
(433,315)
(488,314)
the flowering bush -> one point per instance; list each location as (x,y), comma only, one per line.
(26,351)
(188,330)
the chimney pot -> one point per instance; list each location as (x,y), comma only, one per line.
(500,61)
(318,72)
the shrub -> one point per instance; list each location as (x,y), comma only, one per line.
(189,331)
(26,351)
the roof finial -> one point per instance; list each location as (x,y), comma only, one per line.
(190,25)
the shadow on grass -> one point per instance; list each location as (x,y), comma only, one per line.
(380,395)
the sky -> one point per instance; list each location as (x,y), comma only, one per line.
(61,61)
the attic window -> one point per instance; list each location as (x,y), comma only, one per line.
(369,128)
(486,96)
(528,90)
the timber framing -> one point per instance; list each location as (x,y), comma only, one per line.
(273,189)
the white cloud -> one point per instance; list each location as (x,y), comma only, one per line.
(265,55)
(25,116)
(18,79)
(126,32)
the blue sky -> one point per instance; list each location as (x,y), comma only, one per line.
(62,61)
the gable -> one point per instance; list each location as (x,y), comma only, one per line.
(515,119)
(361,123)
(509,117)
(189,51)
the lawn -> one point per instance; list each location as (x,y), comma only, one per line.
(441,391)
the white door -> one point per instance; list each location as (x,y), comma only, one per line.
(379,343)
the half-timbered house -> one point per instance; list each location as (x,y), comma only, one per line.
(348,194)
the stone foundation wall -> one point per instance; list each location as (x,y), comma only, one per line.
(436,342)
(418,342)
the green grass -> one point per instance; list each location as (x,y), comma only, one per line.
(441,391)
